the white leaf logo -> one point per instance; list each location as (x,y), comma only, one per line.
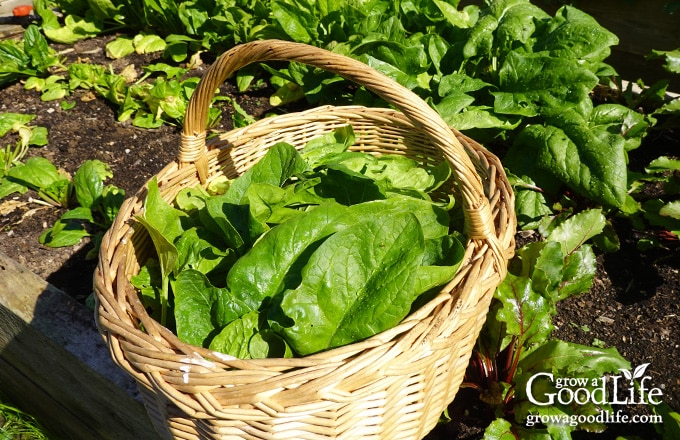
(637,373)
(640,371)
(626,373)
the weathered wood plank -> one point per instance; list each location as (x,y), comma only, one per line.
(54,363)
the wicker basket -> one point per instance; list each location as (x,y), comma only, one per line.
(394,385)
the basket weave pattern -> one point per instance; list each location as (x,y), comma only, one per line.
(391,386)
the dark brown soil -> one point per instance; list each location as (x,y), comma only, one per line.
(634,303)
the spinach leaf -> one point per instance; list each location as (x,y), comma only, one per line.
(148,281)
(527,90)
(433,219)
(441,260)
(200,308)
(569,151)
(359,282)
(227,220)
(196,251)
(281,162)
(296,18)
(8,187)
(163,222)
(230,215)
(393,172)
(266,270)
(30,57)
(233,339)
(41,175)
(191,199)
(267,343)
(381,256)
(318,150)
(89,182)
(63,233)
(248,338)
(614,123)
(347,187)
(273,205)
(574,34)
(36,173)
(518,21)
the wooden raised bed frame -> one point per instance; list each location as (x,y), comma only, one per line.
(55,365)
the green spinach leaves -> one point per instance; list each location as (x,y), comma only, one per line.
(304,252)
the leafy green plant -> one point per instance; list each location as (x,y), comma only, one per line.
(29,57)
(305,251)
(149,105)
(515,346)
(670,428)
(140,43)
(90,204)
(146,102)
(652,199)
(513,70)
(516,343)
(670,57)
(11,155)
(661,211)
(508,69)
(39,174)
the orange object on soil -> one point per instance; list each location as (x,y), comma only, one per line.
(22,11)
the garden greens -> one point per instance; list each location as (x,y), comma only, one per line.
(89,202)
(304,252)
(508,72)
(91,205)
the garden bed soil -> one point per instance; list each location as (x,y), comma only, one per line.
(634,303)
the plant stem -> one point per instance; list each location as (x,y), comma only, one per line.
(164,300)
(512,359)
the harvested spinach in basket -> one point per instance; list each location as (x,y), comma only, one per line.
(306,251)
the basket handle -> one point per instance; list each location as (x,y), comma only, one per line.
(478,218)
